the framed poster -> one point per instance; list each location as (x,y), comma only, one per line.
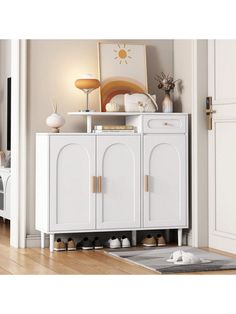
(122,69)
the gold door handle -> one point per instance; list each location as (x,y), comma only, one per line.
(146,183)
(99,184)
(209,111)
(93,184)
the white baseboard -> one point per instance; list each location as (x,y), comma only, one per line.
(34,240)
(187,237)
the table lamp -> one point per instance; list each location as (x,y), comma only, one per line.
(87,84)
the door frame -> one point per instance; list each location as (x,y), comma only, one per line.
(199,145)
(18,142)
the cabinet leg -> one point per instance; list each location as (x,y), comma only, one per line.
(42,240)
(134,237)
(167,234)
(51,246)
(180,235)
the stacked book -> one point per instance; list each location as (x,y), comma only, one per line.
(114,128)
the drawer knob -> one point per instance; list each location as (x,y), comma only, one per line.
(166,123)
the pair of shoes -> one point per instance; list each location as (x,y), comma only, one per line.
(59,245)
(116,243)
(151,241)
(160,240)
(87,244)
(71,245)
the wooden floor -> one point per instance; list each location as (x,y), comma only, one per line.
(42,262)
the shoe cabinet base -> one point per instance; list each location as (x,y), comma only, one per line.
(134,239)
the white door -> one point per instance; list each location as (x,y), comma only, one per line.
(118,169)
(165,173)
(222,145)
(72,171)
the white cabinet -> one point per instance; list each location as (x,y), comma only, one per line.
(118,171)
(65,197)
(5,193)
(103,182)
(87,182)
(170,124)
(165,197)
(72,170)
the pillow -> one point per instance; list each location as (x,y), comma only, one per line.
(140,103)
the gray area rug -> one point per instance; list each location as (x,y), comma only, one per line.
(155,259)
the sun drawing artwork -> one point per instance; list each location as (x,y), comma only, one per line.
(122,70)
(122,54)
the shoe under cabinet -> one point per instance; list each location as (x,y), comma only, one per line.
(114,242)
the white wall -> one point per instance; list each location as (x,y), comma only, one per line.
(53,66)
(5,72)
(183,96)
(183,69)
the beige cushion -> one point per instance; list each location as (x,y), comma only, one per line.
(139,103)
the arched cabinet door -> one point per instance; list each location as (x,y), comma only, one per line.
(165,181)
(118,171)
(72,171)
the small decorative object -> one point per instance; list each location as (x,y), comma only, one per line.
(8,160)
(122,70)
(112,107)
(87,84)
(166,83)
(141,106)
(167,103)
(55,120)
(2,159)
(140,102)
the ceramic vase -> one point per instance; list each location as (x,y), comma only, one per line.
(167,104)
(55,121)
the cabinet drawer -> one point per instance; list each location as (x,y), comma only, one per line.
(166,124)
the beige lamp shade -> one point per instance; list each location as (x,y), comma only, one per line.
(87,83)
